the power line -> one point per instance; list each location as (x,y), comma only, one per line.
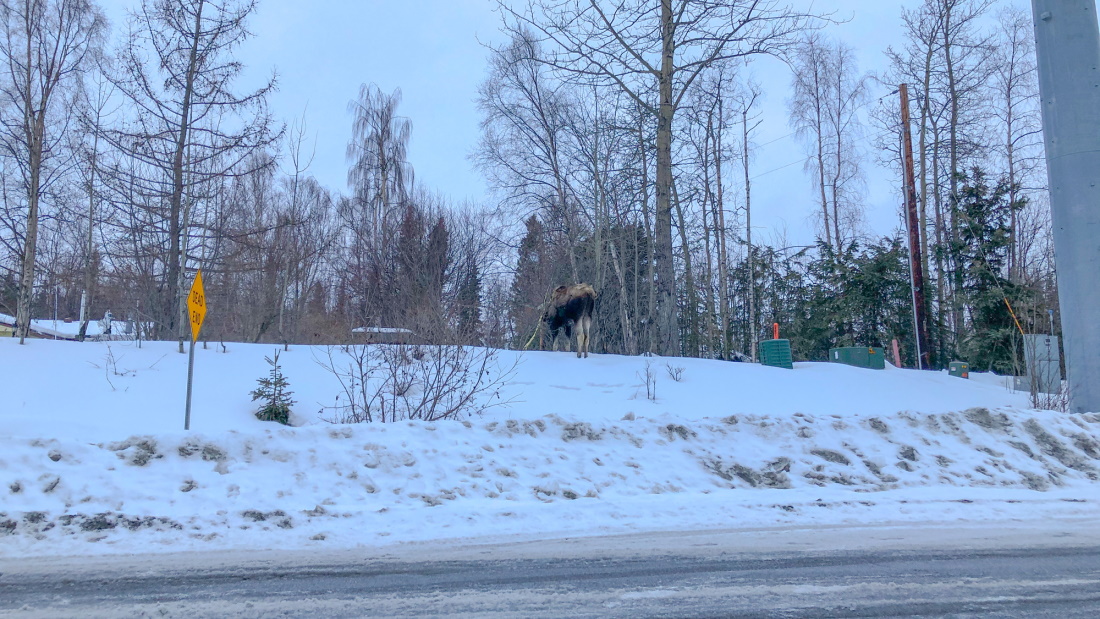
(802,161)
(782,137)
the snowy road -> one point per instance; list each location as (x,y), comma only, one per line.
(1036,569)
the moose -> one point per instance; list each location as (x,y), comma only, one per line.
(570,308)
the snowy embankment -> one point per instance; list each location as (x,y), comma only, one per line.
(93,458)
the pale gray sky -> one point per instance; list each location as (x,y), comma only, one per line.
(324,50)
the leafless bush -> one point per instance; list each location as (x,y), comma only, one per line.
(1050,401)
(110,367)
(649,377)
(388,383)
(675,372)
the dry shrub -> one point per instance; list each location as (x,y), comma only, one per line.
(385,383)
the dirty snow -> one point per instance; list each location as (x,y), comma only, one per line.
(94,458)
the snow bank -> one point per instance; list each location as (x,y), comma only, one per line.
(93,460)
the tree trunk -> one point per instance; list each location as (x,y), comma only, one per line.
(691,338)
(940,236)
(33,131)
(720,231)
(922,215)
(667,327)
(820,129)
(89,273)
(30,243)
(748,232)
(912,223)
(1010,149)
(953,180)
(837,161)
(648,273)
(925,111)
(708,274)
(177,249)
(629,345)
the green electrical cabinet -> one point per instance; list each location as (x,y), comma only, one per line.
(959,368)
(776,353)
(871,357)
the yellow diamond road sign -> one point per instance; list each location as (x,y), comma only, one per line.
(196,305)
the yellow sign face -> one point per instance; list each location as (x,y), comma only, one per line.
(196,305)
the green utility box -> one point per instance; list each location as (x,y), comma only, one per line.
(958,368)
(871,357)
(776,353)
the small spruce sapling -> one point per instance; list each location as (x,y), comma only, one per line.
(274,393)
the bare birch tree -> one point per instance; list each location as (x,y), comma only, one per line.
(189,129)
(642,48)
(381,180)
(44,47)
(92,120)
(527,124)
(380,176)
(715,115)
(746,99)
(1015,84)
(828,94)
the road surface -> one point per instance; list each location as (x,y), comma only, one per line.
(857,572)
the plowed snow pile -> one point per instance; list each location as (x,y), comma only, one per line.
(93,457)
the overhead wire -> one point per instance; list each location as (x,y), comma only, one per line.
(782,137)
(803,160)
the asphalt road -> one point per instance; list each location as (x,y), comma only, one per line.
(706,579)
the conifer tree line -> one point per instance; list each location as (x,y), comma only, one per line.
(619,141)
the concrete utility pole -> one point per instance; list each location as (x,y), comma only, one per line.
(1067,46)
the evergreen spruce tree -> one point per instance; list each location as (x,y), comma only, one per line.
(879,297)
(469,304)
(437,264)
(981,251)
(274,393)
(532,282)
(853,295)
(409,290)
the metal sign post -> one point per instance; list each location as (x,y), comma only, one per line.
(196,306)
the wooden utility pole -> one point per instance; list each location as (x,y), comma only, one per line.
(915,268)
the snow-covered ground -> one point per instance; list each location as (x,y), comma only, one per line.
(94,458)
(70,329)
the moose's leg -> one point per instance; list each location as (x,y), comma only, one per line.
(587,334)
(568,335)
(580,338)
(584,331)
